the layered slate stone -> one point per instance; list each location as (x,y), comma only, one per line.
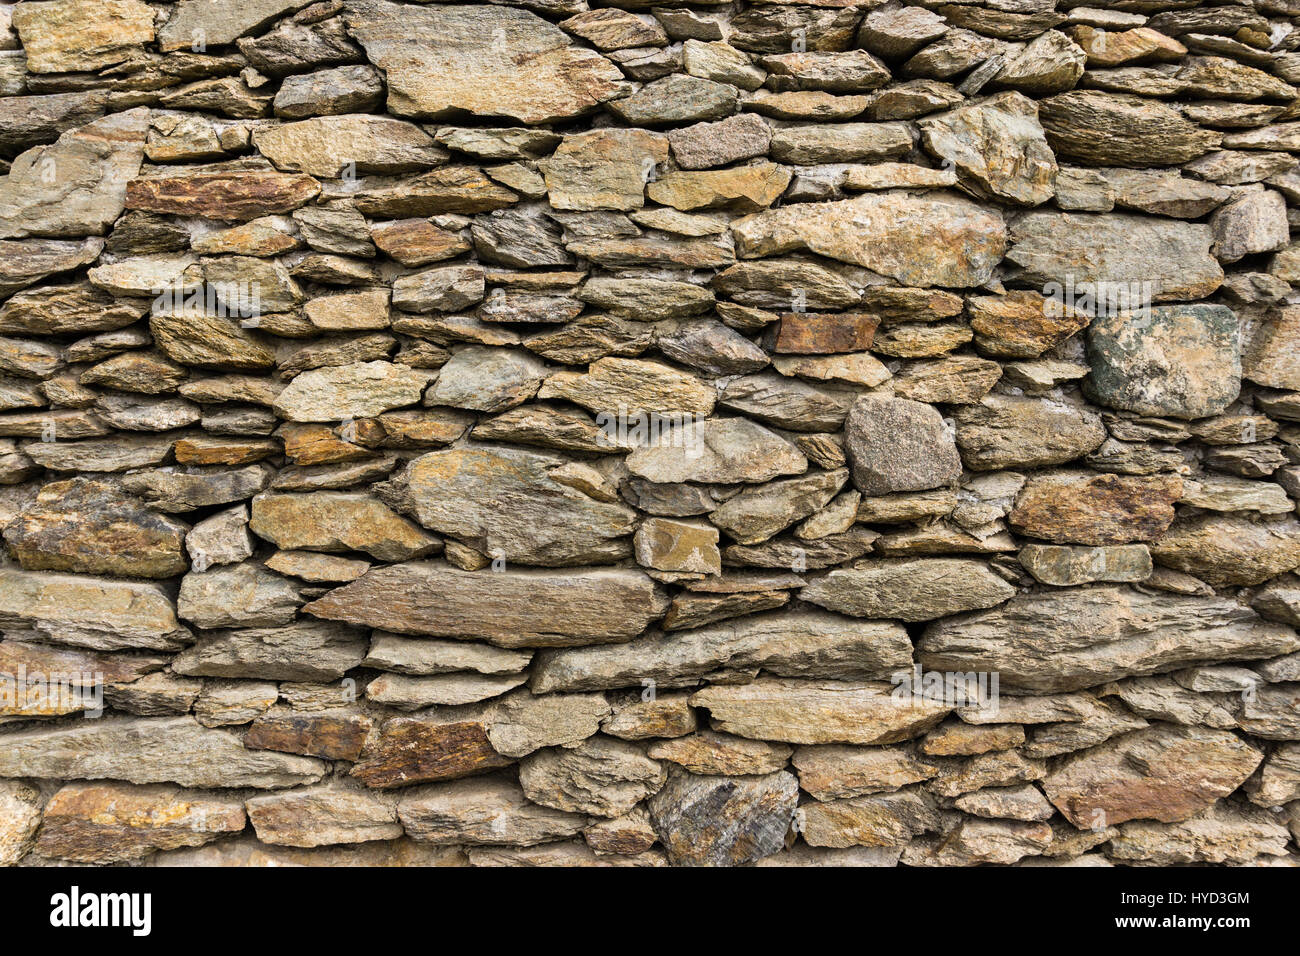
(326,146)
(918,241)
(918,590)
(240,190)
(491,811)
(601,776)
(342,392)
(1165,772)
(723,821)
(560,429)
(510,608)
(550,521)
(26,262)
(77,186)
(1087,508)
(220,22)
(819,711)
(328,813)
(722,450)
(1107,129)
(117,822)
(305,650)
(151,750)
(483,60)
(413,750)
(1007,431)
(1228,550)
(91,612)
(1060,640)
(808,643)
(1178,360)
(339,521)
(88,526)
(1122,258)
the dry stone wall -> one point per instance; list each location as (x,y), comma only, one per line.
(690,434)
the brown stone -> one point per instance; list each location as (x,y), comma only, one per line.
(1165,772)
(818,711)
(1086,508)
(231,191)
(821,333)
(328,736)
(413,750)
(117,822)
(1021,324)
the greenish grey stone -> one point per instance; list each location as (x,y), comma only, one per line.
(1178,360)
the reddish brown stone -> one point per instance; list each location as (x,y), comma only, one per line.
(1084,508)
(1164,772)
(1021,324)
(115,822)
(41,659)
(317,445)
(331,736)
(821,333)
(234,191)
(224,451)
(417,242)
(418,751)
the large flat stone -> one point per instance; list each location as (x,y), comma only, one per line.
(1060,640)
(151,750)
(807,643)
(1143,258)
(90,612)
(530,608)
(920,241)
(909,590)
(485,60)
(818,711)
(1166,773)
(551,521)
(77,186)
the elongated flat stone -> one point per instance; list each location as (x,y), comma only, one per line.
(413,750)
(1165,772)
(1128,258)
(918,241)
(325,814)
(818,711)
(490,812)
(70,524)
(90,612)
(116,822)
(232,191)
(511,608)
(801,644)
(304,651)
(916,590)
(1062,640)
(1087,508)
(339,521)
(151,750)
(485,60)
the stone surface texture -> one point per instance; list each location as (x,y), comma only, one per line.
(547,432)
